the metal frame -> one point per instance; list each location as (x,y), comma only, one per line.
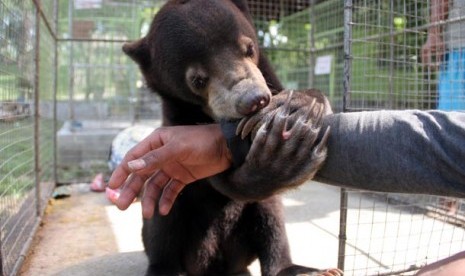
(270,13)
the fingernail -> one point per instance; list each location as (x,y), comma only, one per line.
(137,164)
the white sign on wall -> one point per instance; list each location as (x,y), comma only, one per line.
(87,4)
(323,65)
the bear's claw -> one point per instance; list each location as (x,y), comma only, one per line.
(289,128)
(294,116)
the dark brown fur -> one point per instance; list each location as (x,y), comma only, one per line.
(203,59)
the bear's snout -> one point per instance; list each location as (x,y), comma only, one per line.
(253,101)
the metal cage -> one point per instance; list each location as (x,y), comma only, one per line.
(66,90)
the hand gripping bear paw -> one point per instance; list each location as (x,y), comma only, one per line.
(288,145)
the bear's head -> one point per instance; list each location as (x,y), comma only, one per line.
(204,52)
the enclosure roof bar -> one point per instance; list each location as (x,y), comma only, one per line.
(285,49)
(409,30)
(93,40)
(44,18)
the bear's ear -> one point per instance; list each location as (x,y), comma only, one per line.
(138,51)
(244,8)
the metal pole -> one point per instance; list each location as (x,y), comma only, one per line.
(391,56)
(342,229)
(36,112)
(134,97)
(347,68)
(1,259)
(311,71)
(71,63)
(347,52)
(27,244)
(55,91)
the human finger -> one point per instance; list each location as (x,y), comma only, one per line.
(170,193)
(148,200)
(122,171)
(153,189)
(119,176)
(156,159)
(129,192)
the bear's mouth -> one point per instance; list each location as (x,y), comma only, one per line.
(252,97)
(252,102)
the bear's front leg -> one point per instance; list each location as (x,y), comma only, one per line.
(164,238)
(288,148)
(268,239)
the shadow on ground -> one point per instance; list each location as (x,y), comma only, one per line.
(132,263)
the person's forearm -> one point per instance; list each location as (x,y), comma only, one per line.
(397,151)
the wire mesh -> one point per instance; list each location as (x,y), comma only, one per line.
(386,67)
(47,90)
(393,234)
(85,90)
(22,136)
(96,80)
(100,90)
(283,32)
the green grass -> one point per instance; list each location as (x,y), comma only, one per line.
(17,175)
(79,173)
(374,84)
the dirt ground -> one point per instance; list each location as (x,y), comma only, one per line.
(77,237)
(84,234)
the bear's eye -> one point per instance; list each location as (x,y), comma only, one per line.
(250,52)
(199,82)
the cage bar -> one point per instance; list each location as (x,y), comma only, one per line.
(66,89)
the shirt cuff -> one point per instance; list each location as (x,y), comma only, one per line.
(238,147)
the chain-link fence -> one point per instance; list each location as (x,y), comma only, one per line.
(398,55)
(26,139)
(367,55)
(100,88)
(66,89)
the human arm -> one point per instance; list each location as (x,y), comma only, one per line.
(286,151)
(397,151)
(392,151)
(168,159)
(434,45)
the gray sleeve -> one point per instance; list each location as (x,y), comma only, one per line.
(397,151)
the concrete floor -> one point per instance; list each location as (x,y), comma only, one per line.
(86,235)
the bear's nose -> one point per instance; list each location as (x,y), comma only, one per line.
(252,102)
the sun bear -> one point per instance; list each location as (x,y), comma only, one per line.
(202,57)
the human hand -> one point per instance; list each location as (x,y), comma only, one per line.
(432,51)
(165,162)
(288,147)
